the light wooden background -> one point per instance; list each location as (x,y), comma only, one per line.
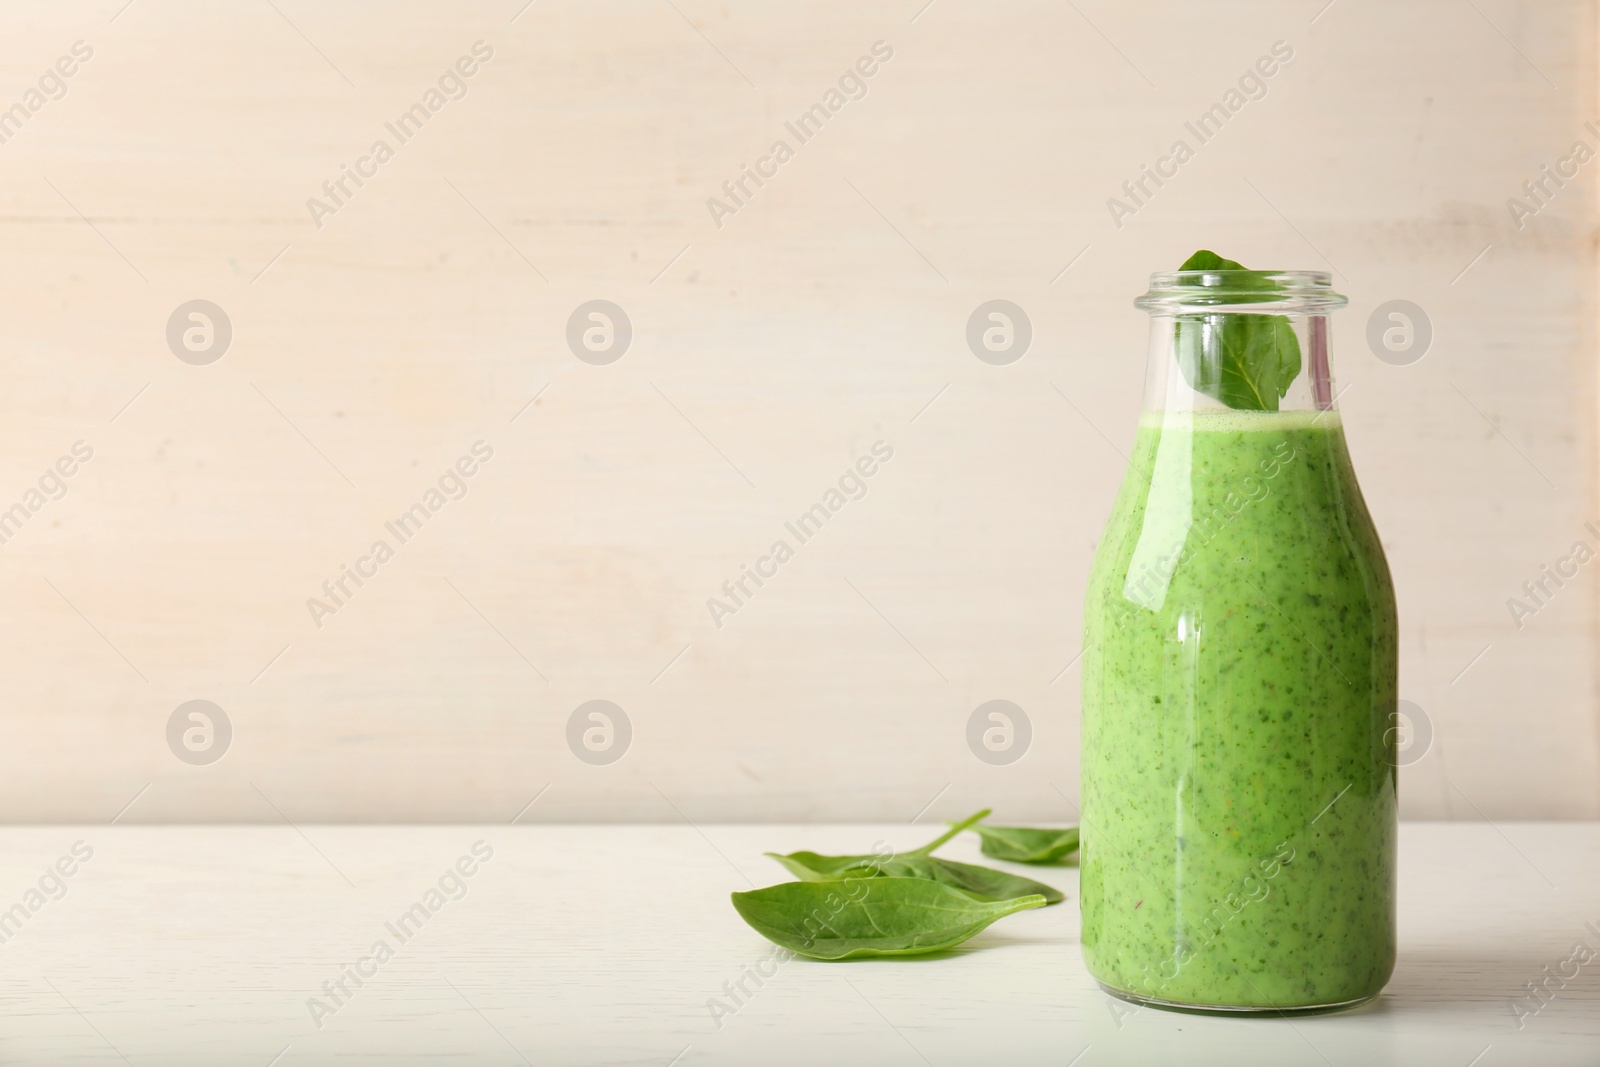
(828,314)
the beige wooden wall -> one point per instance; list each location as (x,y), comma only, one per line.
(429,312)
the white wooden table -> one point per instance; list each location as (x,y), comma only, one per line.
(602,945)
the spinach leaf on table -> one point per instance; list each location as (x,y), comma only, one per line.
(1246,361)
(871,916)
(1020,844)
(983,882)
(810,867)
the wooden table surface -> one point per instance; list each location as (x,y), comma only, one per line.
(604,945)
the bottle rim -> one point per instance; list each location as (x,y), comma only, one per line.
(1293,291)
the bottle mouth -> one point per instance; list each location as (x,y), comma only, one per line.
(1302,291)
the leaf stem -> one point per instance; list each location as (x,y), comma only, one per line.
(955,828)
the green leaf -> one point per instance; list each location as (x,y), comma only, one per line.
(811,867)
(1246,361)
(1023,845)
(1205,259)
(951,834)
(984,882)
(863,917)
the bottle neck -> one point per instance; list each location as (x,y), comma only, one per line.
(1216,360)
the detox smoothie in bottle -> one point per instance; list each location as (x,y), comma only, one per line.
(1239,678)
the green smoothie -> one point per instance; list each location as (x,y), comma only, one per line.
(1238,766)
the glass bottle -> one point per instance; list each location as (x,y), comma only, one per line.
(1239,678)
